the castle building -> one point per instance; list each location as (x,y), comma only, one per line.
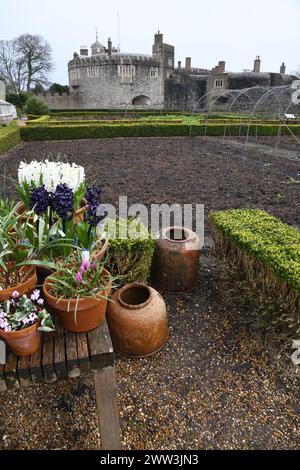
(110,79)
(106,78)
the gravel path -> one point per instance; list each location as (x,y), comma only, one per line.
(215,385)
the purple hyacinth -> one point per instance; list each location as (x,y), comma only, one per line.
(96,211)
(39,200)
(63,201)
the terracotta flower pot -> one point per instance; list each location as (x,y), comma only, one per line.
(90,311)
(99,254)
(137,320)
(175,262)
(24,287)
(23,342)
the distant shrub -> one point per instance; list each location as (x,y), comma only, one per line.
(9,137)
(36,106)
(17,99)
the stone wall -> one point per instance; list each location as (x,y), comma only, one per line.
(183,91)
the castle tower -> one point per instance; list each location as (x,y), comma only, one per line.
(163,53)
(257,64)
(97,47)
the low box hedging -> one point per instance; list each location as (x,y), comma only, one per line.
(268,251)
(9,137)
(38,122)
(96,131)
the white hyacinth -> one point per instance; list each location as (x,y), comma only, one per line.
(51,174)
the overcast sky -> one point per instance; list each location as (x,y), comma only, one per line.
(208,31)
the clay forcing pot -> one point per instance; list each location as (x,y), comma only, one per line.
(176,260)
(137,320)
(23,342)
(90,311)
(24,287)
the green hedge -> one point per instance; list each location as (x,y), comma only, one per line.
(9,137)
(52,132)
(268,251)
(38,122)
(105,112)
(265,238)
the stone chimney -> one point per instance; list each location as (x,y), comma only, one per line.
(84,50)
(188,64)
(179,65)
(283,68)
(257,64)
(221,66)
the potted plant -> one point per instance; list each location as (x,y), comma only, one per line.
(130,250)
(18,258)
(22,318)
(78,292)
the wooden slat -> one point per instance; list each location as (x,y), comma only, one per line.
(83,353)
(71,351)
(10,371)
(100,346)
(107,407)
(23,372)
(48,358)
(35,365)
(3,386)
(59,352)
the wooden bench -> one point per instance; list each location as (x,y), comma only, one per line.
(64,354)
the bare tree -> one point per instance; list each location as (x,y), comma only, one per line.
(37,54)
(12,67)
(25,62)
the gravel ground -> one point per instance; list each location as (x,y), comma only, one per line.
(215,385)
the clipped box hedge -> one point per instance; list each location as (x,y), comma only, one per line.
(145,129)
(268,250)
(9,137)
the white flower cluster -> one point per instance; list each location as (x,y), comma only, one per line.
(51,174)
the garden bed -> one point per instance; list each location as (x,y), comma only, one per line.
(215,385)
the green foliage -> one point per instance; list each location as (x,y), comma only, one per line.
(21,312)
(146,129)
(57,88)
(19,100)
(130,250)
(9,137)
(75,280)
(36,106)
(264,238)
(268,251)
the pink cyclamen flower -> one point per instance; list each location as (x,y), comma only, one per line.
(78,277)
(15,294)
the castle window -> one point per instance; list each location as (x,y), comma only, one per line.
(219,83)
(93,71)
(154,72)
(126,71)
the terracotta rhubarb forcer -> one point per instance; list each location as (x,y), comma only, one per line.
(90,310)
(137,320)
(26,286)
(23,342)
(176,260)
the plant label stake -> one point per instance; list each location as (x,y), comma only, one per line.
(2,352)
